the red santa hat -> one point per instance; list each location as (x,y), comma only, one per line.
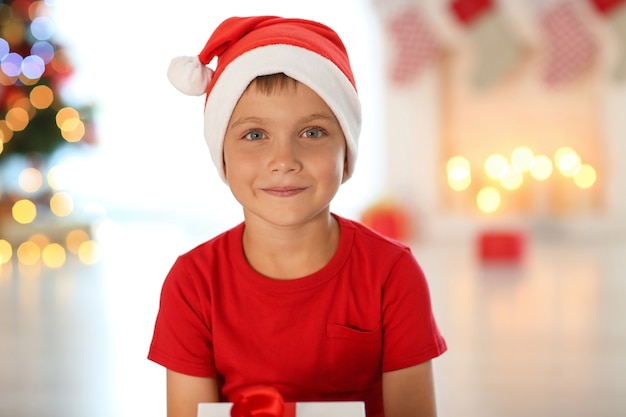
(248,47)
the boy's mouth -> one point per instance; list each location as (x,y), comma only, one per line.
(287,191)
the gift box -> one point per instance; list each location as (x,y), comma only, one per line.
(300,409)
(505,246)
(267,402)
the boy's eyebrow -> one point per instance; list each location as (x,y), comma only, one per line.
(257,120)
(244,120)
(316,116)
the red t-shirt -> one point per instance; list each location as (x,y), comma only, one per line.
(328,336)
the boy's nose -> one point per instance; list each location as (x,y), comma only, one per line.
(284,157)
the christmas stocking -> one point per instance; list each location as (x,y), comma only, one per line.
(415,46)
(496,49)
(615,10)
(570,44)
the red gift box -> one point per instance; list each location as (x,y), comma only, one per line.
(501,245)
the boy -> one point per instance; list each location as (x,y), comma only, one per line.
(317,306)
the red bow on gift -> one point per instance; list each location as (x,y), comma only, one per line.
(261,401)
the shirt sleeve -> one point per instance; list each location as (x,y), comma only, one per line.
(182,339)
(411,335)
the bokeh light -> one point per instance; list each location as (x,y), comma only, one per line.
(40,240)
(488,199)
(90,252)
(64,114)
(59,177)
(11,65)
(567,161)
(522,158)
(44,50)
(33,67)
(17,119)
(25,104)
(73,130)
(41,97)
(30,180)
(6,133)
(28,253)
(24,211)
(53,255)
(495,165)
(511,178)
(459,174)
(42,28)
(4,48)
(61,204)
(6,251)
(541,167)
(75,239)
(585,177)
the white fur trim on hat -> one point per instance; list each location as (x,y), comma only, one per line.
(318,73)
(189,76)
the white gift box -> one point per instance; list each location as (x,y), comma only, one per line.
(303,409)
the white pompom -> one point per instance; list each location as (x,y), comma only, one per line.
(189,76)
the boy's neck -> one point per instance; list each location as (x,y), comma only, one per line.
(290,252)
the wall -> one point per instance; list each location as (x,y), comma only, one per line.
(440,113)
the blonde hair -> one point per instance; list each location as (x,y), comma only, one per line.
(268,84)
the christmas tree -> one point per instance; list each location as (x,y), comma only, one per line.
(36,121)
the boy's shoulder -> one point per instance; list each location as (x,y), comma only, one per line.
(365,235)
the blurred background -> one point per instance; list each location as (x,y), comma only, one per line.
(492,143)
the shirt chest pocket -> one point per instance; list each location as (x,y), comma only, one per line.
(353,356)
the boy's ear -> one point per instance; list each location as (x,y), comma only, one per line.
(345,169)
(224,167)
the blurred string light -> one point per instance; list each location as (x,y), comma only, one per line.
(6,251)
(61,204)
(37,64)
(28,253)
(59,177)
(31,64)
(585,176)
(54,255)
(522,158)
(495,166)
(541,168)
(41,97)
(39,249)
(459,173)
(30,180)
(567,161)
(488,199)
(511,178)
(72,128)
(510,173)
(24,211)
(42,28)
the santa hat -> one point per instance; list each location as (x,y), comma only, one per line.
(248,47)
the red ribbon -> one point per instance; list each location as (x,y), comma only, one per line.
(607,6)
(469,10)
(260,401)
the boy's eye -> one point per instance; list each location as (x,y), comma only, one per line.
(254,135)
(313,133)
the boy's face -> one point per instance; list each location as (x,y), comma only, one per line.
(284,154)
